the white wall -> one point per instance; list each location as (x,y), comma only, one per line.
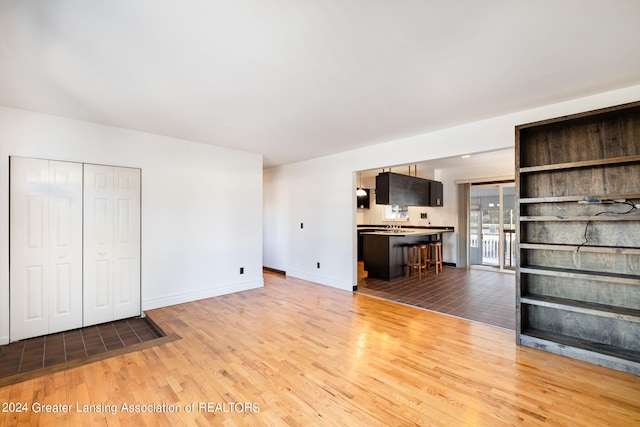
(321,192)
(201,205)
(295,196)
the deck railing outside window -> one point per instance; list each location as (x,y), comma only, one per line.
(490,248)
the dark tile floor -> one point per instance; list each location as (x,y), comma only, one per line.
(42,352)
(483,296)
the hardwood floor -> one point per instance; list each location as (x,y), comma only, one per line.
(297,353)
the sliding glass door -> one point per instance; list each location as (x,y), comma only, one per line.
(492,226)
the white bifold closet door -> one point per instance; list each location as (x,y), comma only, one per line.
(45,247)
(111,243)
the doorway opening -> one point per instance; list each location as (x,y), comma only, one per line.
(492,229)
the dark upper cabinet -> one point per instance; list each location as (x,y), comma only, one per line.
(436,193)
(397,189)
(363,201)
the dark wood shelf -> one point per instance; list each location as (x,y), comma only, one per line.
(580,198)
(551,341)
(582,274)
(595,309)
(575,248)
(599,114)
(580,164)
(574,218)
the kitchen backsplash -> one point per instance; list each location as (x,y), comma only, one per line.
(435,216)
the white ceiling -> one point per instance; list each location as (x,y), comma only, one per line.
(298,79)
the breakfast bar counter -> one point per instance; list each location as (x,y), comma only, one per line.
(384,249)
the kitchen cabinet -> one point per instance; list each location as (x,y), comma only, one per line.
(578,260)
(436,193)
(361,241)
(363,201)
(404,190)
(384,256)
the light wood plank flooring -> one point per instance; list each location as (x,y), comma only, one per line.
(303,354)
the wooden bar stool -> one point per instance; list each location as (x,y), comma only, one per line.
(417,259)
(435,256)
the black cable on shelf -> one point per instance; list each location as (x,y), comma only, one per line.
(626,202)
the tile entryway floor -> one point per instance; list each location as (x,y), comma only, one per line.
(483,296)
(47,351)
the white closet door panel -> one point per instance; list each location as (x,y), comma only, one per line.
(126,242)
(46,247)
(36,214)
(29,248)
(31,316)
(103,289)
(98,244)
(65,246)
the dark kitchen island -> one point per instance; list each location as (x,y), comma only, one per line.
(385,251)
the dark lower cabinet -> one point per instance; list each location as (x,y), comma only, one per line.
(385,255)
(361,242)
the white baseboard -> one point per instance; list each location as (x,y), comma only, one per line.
(4,340)
(165,301)
(323,280)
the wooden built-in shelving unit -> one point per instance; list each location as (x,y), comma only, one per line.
(578,268)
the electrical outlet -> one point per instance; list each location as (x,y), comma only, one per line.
(318,265)
(301,225)
(241,270)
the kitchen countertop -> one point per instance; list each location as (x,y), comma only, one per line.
(409,232)
(404,231)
